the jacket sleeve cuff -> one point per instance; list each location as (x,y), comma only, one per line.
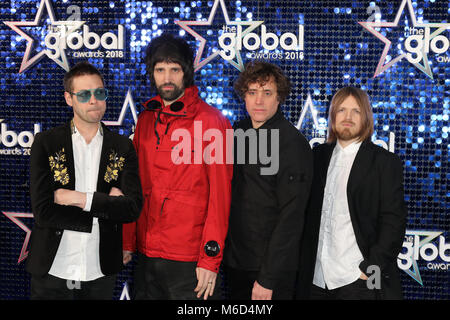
(129,248)
(99,201)
(129,236)
(214,267)
(363,266)
(266,282)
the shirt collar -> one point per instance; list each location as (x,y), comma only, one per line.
(74,130)
(350,149)
(78,137)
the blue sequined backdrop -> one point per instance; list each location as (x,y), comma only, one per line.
(410,101)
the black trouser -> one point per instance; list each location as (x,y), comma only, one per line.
(162,279)
(240,284)
(357,290)
(49,287)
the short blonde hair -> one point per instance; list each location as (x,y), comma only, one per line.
(363,101)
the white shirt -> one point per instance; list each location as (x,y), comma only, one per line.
(78,255)
(338,255)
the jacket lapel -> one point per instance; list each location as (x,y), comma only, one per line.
(68,148)
(360,166)
(107,146)
(324,161)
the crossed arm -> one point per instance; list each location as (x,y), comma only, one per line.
(78,199)
(63,208)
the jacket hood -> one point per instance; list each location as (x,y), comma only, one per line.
(185,106)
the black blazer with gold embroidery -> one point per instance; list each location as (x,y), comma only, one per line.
(52,167)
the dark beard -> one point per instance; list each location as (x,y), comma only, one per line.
(346,135)
(170,95)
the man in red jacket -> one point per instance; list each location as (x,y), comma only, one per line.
(182,228)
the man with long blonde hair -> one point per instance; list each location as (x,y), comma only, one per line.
(356,217)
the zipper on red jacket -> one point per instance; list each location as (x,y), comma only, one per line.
(162,206)
(158,119)
(167,127)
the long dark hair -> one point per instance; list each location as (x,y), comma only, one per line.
(170,49)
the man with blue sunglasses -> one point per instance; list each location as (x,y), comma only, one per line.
(83,96)
(84,185)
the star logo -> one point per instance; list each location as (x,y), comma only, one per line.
(309,105)
(128,103)
(237,61)
(422,53)
(59,56)
(14,217)
(125,295)
(413,248)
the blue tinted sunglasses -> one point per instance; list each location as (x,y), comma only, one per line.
(84,96)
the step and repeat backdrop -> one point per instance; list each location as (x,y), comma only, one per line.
(397,50)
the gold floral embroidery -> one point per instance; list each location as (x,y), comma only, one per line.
(116,165)
(57,165)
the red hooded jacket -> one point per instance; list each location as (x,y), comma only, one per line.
(186,199)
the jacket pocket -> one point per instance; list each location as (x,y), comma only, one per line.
(182,225)
(290,185)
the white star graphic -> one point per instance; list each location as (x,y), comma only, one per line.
(27,62)
(13,216)
(125,295)
(309,105)
(370,26)
(238,64)
(128,102)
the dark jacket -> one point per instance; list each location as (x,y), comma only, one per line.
(52,167)
(267,211)
(377,212)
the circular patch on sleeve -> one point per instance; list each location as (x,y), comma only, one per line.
(212,248)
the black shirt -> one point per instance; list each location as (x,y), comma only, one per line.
(267,210)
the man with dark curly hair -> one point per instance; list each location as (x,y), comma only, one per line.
(267,208)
